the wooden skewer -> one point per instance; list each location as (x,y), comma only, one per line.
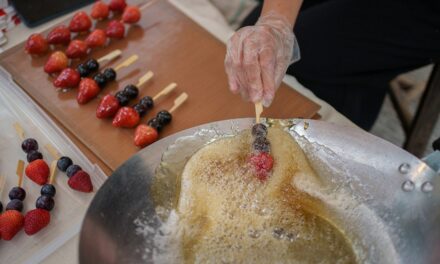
(19,130)
(258,111)
(112,55)
(148,4)
(179,101)
(53,170)
(2,183)
(127,62)
(20,167)
(145,78)
(53,152)
(170,87)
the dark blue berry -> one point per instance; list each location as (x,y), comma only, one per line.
(63,163)
(34,155)
(261,144)
(100,80)
(164,117)
(1,207)
(17,193)
(147,101)
(131,91)
(29,144)
(15,205)
(259,130)
(110,74)
(141,109)
(72,169)
(83,70)
(154,123)
(48,190)
(122,98)
(45,202)
(92,65)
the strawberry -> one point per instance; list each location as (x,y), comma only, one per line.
(126,117)
(35,220)
(262,163)
(131,15)
(57,62)
(117,5)
(80,181)
(97,38)
(76,49)
(68,78)
(115,29)
(11,222)
(38,171)
(108,107)
(144,135)
(80,22)
(36,44)
(88,89)
(60,35)
(100,10)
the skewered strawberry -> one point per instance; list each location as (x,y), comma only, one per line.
(35,220)
(81,181)
(80,22)
(145,135)
(117,5)
(38,171)
(57,62)
(36,45)
(97,38)
(100,10)
(77,49)
(88,89)
(115,29)
(60,35)
(68,78)
(131,15)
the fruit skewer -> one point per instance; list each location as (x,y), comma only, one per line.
(260,158)
(146,134)
(129,117)
(109,104)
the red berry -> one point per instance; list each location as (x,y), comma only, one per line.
(117,5)
(108,107)
(97,38)
(11,222)
(262,163)
(88,89)
(38,171)
(36,44)
(131,15)
(81,181)
(115,29)
(77,49)
(68,78)
(100,10)
(35,220)
(59,35)
(126,117)
(57,62)
(144,135)
(80,22)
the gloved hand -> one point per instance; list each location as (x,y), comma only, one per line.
(257,58)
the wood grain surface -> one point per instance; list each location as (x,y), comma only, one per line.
(177,50)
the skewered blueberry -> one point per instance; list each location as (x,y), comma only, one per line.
(29,144)
(261,144)
(15,205)
(147,101)
(1,207)
(131,91)
(141,109)
(122,98)
(17,193)
(164,117)
(92,65)
(259,130)
(45,202)
(110,74)
(34,155)
(63,163)
(48,190)
(83,70)
(72,169)
(154,123)
(100,80)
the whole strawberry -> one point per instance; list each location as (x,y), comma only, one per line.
(11,222)
(36,45)
(68,78)
(108,107)
(80,181)
(100,10)
(88,89)
(97,38)
(115,29)
(144,135)
(131,15)
(35,220)
(80,22)
(117,5)
(38,171)
(60,35)
(57,62)
(77,49)
(126,117)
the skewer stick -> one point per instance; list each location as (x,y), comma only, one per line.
(20,167)
(148,4)
(19,130)
(170,87)
(258,111)
(127,62)
(145,78)
(53,170)
(112,55)
(53,152)
(179,101)
(2,183)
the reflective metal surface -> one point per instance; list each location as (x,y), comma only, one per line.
(391,183)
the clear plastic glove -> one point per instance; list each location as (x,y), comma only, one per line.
(257,58)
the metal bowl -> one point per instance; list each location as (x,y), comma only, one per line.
(394,214)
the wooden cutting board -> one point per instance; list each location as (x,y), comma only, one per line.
(177,50)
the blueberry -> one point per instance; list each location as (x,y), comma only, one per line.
(48,190)
(17,193)
(122,98)
(100,80)
(72,169)
(15,205)
(147,101)
(92,65)
(154,123)
(109,74)
(63,163)
(1,207)
(83,70)
(261,144)
(259,130)
(164,117)
(141,109)
(29,144)
(131,91)
(34,155)
(45,202)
